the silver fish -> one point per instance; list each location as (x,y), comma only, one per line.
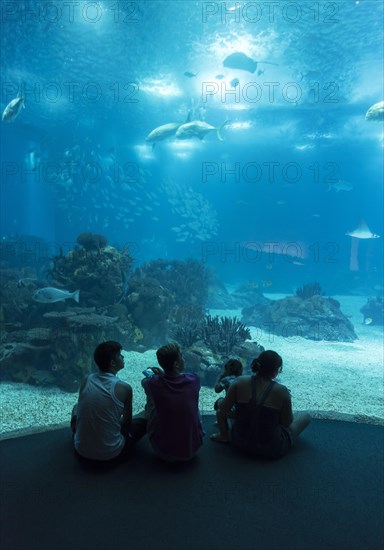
(163,132)
(13,109)
(199,129)
(49,295)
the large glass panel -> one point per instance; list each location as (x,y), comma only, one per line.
(205,172)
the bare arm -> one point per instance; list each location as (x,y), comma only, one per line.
(286,415)
(218,387)
(229,400)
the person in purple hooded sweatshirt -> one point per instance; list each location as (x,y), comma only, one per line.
(174,427)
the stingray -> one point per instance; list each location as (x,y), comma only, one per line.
(239,60)
(362,232)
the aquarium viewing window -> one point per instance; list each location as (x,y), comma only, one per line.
(206,173)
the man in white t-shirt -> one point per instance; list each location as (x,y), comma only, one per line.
(102,423)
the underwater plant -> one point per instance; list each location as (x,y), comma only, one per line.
(187,333)
(186,325)
(309,290)
(221,334)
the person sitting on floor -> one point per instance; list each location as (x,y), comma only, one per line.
(102,421)
(232,369)
(263,424)
(174,427)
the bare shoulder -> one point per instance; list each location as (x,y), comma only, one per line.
(242,380)
(242,384)
(282,391)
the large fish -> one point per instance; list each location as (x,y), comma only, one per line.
(13,109)
(239,60)
(199,129)
(362,232)
(376,112)
(163,132)
(340,185)
(49,295)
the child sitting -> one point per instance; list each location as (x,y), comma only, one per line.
(232,369)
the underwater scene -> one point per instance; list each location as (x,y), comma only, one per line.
(208,173)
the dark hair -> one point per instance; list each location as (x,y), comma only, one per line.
(268,364)
(233,367)
(167,355)
(105,353)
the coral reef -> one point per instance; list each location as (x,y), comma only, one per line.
(309,290)
(92,241)
(61,351)
(314,318)
(218,295)
(96,269)
(53,343)
(249,294)
(373,311)
(159,294)
(186,280)
(149,305)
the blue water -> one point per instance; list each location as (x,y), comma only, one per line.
(98,77)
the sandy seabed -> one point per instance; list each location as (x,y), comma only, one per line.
(331,379)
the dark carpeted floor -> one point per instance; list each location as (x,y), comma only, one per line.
(327,494)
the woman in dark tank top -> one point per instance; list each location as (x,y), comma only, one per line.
(263,422)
